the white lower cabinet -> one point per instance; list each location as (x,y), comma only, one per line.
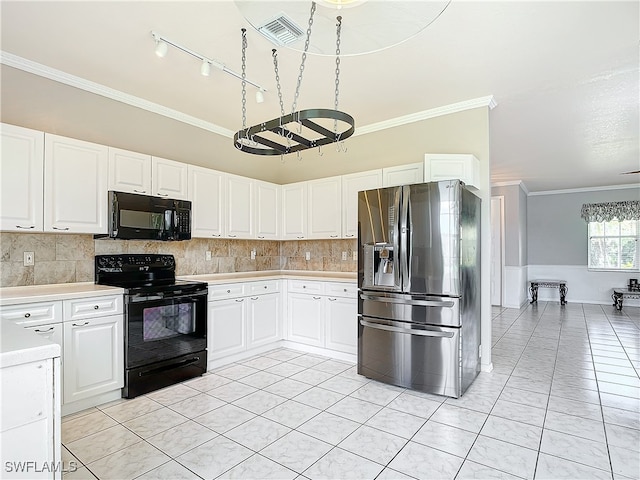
(263,320)
(226,327)
(243,316)
(93,357)
(323,314)
(341,324)
(305,319)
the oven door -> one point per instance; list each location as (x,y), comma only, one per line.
(163,326)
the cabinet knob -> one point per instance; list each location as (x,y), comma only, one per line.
(96,307)
(27,315)
(265,286)
(228,291)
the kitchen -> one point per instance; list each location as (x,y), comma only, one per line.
(69,258)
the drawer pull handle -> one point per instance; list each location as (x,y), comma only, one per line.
(332,299)
(139,191)
(96,307)
(316,298)
(25,228)
(239,299)
(163,194)
(63,229)
(254,298)
(27,315)
(78,325)
(44,331)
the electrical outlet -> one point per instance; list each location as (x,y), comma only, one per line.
(207,255)
(28,259)
(253,254)
(307,256)
(344,255)
(355,256)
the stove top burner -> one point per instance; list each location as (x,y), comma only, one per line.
(139,273)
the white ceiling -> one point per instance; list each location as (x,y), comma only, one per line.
(564,75)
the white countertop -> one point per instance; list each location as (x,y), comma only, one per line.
(19,345)
(54,292)
(235,277)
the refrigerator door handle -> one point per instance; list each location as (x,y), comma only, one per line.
(405,247)
(408,331)
(404,301)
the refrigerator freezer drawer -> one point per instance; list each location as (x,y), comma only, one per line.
(430,310)
(413,356)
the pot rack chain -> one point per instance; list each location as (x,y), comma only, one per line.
(304,57)
(244,78)
(335,103)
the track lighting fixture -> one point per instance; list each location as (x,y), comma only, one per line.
(205,69)
(162,46)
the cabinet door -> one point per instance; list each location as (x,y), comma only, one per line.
(240,207)
(169,178)
(208,202)
(226,328)
(305,318)
(263,324)
(325,208)
(75,186)
(93,357)
(351,185)
(342,324)
(51,331)
(129,171)
(294,211)
(267,210)
(21,178)
(403,175)
(465,167)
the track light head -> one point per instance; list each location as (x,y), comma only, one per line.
(205,68)
(161,48)
(259,96)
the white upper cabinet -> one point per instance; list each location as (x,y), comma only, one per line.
(21,180)
(465,167)
(75,186)
(325,208)
(267,210)
(403,175)
(169,178)
(208,202)
(294,211)
(351,185)
(129,171)
(239,207)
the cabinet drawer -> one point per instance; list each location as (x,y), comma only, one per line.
(92,307)
(341,290)
(267,286)
(33,314)
(230,290)
(302,286)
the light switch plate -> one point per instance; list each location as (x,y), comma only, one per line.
(253,254)
(344,255)
(307,256)
(355,256)
(207,255)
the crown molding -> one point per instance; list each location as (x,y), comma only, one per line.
(519,183)
(59,76)
(62,77)
(487,101)
(587,189)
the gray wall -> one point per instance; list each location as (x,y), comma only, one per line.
(556,233)
(515,223)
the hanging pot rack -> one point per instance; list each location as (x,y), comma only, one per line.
(286,140)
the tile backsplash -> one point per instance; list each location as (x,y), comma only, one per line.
(68,258)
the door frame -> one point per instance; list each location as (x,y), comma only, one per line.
(499,223)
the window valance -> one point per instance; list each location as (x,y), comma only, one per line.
(608,211)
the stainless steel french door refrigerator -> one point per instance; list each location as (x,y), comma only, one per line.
(419,286)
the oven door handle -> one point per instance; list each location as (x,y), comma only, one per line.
(183,363)
(137,298)
(408,331)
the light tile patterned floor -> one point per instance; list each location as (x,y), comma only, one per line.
(563,401)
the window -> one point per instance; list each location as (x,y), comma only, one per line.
(614,245)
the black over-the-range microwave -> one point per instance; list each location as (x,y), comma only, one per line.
(143,217)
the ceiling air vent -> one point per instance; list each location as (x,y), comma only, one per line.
(281,30)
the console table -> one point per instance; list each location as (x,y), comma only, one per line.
(561,285)
(621,293)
